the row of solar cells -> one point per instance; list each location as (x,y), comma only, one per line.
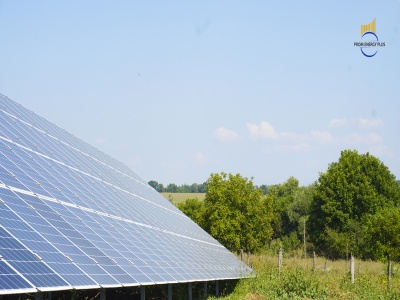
(90,223)
(50,177)
(41,141)
(72,247)
(45,126)
(23,170)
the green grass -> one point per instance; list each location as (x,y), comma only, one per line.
(298,281)
(180,197)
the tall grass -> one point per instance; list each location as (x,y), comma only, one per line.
(329,280)
(180,197)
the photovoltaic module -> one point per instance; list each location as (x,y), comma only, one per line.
(72,217)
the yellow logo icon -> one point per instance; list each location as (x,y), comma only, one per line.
(371,27)
(369,43)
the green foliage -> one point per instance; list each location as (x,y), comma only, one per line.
(283,197)
(384,234)
(237,213)
(290,241)
(157,186)
(291,210)
(294,283)
(264,187)
(194,209)
(298,281)
(355,187)
(173,188)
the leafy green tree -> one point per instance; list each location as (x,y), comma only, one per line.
(194,209)
(291,210)
(264,187)
(236,213)
(160,188)
(356,186)
(194,188)
(172,188)
(202,187)
(157,186)
(153,184)
(283,197)
(383,231)
(299,211)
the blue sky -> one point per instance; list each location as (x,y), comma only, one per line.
(180,89)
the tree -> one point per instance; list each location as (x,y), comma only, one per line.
(157,186)
(236,213)
(299,211)
(194,188)
(153,184)
(356,186)
(291,210)
(264,187)
(172,188)
(383,231)
(160,188)
(194,209)
(283,197)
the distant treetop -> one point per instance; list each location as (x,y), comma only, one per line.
(173,188)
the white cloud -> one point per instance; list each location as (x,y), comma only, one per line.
(336,123)
(380,150)
(200,159)
(323,137)
(264,131)
(369,138)
(370,123)
(362,123)
(225,135)
(286,141)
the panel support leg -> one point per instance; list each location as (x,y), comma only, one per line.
(38,295)
(169,291)
(102,294)
(217,288)
(190,290)
(205,290)
(142,293)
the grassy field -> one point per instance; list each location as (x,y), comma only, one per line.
(331,280)
(180,197)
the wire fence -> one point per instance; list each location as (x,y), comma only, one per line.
(351,268)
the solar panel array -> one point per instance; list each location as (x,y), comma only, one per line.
(73,217)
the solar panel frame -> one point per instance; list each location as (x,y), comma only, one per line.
(87,219)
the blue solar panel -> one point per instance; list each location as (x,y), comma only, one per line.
(74,217)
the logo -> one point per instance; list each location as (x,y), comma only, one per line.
(369,43)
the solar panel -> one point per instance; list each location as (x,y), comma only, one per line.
(73,217)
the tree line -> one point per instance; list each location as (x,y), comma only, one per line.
(173,188)
(352,207)
(186,188)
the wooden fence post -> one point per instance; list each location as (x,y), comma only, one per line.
(313,262)
(304,239)
(352,267)
(389,272)
(280,260)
